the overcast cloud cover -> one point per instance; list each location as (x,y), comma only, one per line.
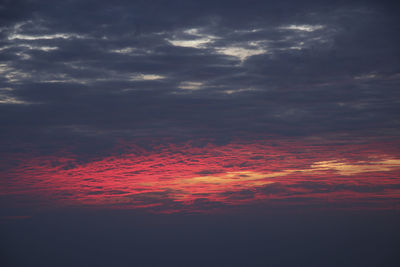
(93,72)
(257,132)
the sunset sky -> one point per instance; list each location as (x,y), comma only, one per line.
(199,133)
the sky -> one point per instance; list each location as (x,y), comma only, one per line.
(199,133)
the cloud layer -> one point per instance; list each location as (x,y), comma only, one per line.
(132,69)
(173,178)
(81,78)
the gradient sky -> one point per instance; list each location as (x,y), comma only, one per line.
(213,133)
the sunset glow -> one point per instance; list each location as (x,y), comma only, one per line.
(187,177)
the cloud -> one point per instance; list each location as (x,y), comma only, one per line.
(306,28)
(190,85)
(146,77)
(181,177)
(5,99)
(240,52)
(344,168)
(133,70)
(43,37)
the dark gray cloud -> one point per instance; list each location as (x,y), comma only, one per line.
(84,71)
